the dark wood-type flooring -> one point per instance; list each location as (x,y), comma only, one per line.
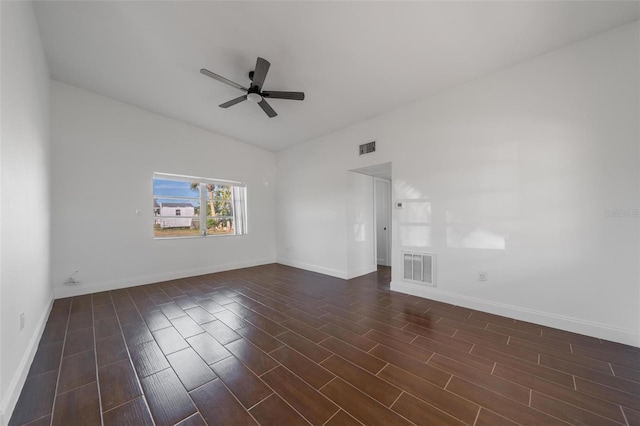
(275,345)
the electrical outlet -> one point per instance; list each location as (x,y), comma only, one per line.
(21,321)
(483,276)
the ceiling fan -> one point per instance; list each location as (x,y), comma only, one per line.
(254,92)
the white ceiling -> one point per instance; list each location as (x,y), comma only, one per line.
(354,60)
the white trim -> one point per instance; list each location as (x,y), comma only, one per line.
(314,268)
(183,178)
(562,322)
(20,375)
(362,271)
(61,292)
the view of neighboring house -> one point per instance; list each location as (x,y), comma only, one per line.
(174,215)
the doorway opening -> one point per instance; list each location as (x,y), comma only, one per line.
(382,199)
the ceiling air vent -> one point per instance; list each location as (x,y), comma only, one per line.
(419,268)
(367,148)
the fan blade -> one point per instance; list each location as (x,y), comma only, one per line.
(267,108)
(232,102)
(222,79)
(295,96)
(260,73)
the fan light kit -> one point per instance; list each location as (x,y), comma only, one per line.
(254,92)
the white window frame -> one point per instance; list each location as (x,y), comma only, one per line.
(238,201)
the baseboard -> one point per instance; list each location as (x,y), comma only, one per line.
(362,271)
(20,376)
(314,268)
(60,292)
(575,325)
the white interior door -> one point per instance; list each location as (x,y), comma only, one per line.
(383,221)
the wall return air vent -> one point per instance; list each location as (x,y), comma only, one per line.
(419,268)
(367,148)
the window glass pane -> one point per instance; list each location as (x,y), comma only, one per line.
(164,227)
(220,226)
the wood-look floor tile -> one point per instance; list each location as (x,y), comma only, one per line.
(77,370)
(251,356)
(54,332)
(36,398)
(80,321)
(47,359)
(384,329)
(185,302)
(362,407)
(209,349)
(345,323)
(304,317)
(260,338)
(341,418)
(110,350)
(354,339)
(503,387)
(80,406)
(218,406)
(541,371)
(199,314)
(421,413)
(353,354)
(148,359)
(607,393)
(78,341)
(129,316)
(194,420)
(133,413)
(171,310)
(81,304)
(306,369)
(305,330)
(231,320)
(106,327)
(412,365)
(156,320)
(366,382)
(136,333)
(42,421)
(281,322)
(168,400)
(186,326)
(190,368)
(439,337)
(430,393)
(210,306)
(579,399)
(607,379)
(104,311)
(271,327)
(413,351)
(244,384)
(460,356)
(169,340)
(118,384)
(273,411)
(633,416)
(305,346)
(567,412)
(499,404)
(221,332)
(489,418)
(313,406)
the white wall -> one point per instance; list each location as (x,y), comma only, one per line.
(25,223)
(360,225)
(104,156)
(509,174)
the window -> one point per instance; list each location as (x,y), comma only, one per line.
(186,206)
